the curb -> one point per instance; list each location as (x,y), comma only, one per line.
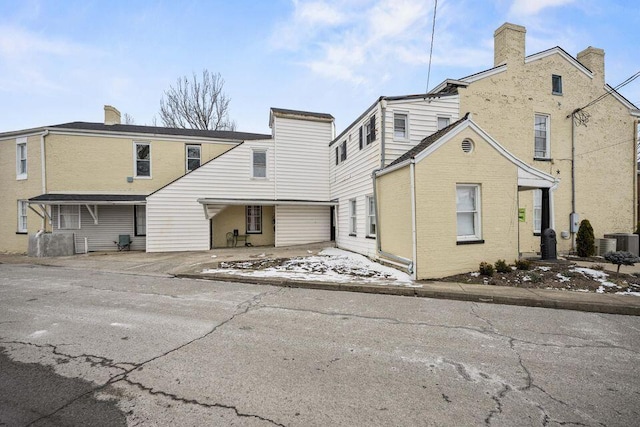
(426,292)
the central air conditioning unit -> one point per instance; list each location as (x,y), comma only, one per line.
(605,245)
(625,242)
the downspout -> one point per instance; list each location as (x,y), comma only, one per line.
(391,258)
(414,236)
(43,170)
(383,120)
(573,179)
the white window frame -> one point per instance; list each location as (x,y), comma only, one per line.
(353,217)
(22,216)
(187,158)
(20,174)
(554,78)
(405,135)
(537,211)
(136,160)
(73,213)
(438,118)
(477,222)
(139,212)
(371,216)
(254,212)
(547,153)
(253,163)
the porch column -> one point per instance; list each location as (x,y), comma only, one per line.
(546,214)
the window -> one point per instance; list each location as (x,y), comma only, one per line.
(467,210)
(541,132)
(22,216)
(400,125)
(68,217)
(352,217)
(21,158)
(443,122)
(143,160)
(537,211)
(254,219)
(360,137)
(259,164)
(140,220)
(368,132)
(341,152)
(193,157)
(556,84)
(371,216)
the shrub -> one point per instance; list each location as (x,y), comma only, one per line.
(585,241)
(502,266)
(621,258)
(637,228)
(523,264)
(535,278)
(486,269)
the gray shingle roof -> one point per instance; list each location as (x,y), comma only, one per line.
(157,130)
(426,142)
(89,198)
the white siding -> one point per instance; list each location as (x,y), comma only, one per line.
(302,168)
(423,121)
(176,221)
(297,225)
(112,221)
(351,179)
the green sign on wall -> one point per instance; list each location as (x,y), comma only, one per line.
(522,216)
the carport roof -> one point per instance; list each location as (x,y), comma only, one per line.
(91,199)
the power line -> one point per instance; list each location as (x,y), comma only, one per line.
(610,92)
(433,31)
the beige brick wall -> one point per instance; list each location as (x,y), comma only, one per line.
(14,190)
(504,105)
(438,253)
(394,212)
(102,164)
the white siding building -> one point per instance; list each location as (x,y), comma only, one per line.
(385,131)
(261,192)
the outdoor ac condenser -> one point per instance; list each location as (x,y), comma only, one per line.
(605,245)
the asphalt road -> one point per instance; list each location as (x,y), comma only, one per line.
(95,348)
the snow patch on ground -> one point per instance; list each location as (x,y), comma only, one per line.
(330,265)
(599,276)
(37,334)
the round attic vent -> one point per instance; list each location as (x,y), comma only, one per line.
(467,145)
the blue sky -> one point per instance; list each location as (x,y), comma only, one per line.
(61,61)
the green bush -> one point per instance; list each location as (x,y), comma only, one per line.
(502,266)
(585,241)
(522,264)
(486,269)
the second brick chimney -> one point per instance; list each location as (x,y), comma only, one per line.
(593,59)
(111,115)
(508,44)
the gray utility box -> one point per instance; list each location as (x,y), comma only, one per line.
(625,242)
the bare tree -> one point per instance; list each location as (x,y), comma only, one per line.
(128,119)
(197,104)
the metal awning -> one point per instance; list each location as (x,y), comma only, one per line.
(89,199)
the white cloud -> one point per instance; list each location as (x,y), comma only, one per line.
(533,7)
(16,42)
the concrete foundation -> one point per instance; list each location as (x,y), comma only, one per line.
(49,245)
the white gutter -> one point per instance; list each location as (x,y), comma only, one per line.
(259,202)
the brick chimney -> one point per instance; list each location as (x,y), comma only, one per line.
(508,44)
(593,59)
(111,115)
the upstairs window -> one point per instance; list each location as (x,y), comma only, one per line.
(143,160)
(68,217)
(22,216)
(259,169)
(254,219)
(21,158)
(368,132)
(343,151)
(443,122)
(556,84)
(400,126)
(193,157)
(541,137)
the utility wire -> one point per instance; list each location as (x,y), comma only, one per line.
(610,92)
(433,31)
